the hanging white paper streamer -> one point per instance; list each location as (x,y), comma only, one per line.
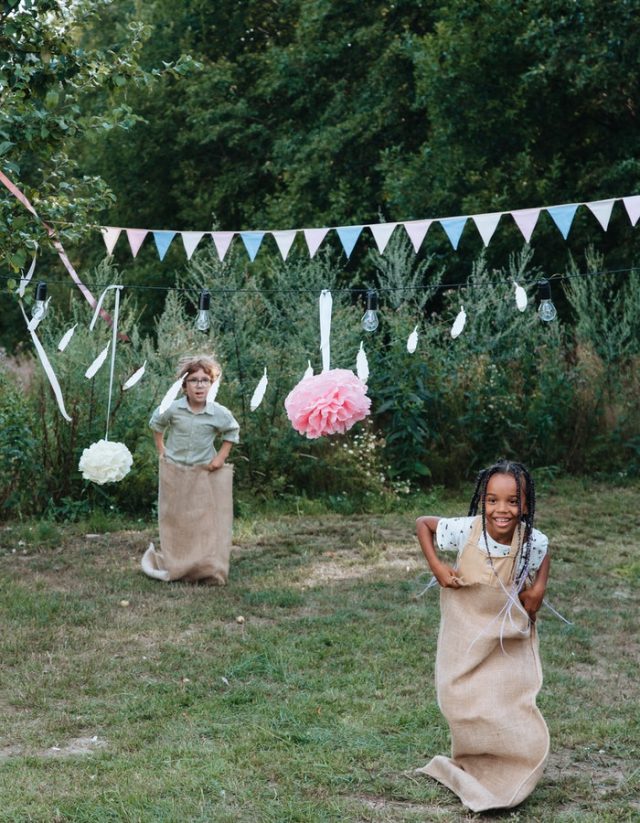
(66,337)
(24,281)
(521,297)
(213,391)
(48,370)
(458,326)
(308,372)
(325,305)
(93,368)
(99,306)
(259,392)
(412,342)
(35,321)
(362,364)
(171,395)
(135,377)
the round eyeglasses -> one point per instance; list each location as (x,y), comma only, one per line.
(197,381)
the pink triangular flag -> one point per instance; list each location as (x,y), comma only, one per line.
(601,209)
(314,237)
(190,240)
(417,229)
(136,238)
(632,205)
(222,239)
(381,233)
(526,220)
(486,224)
(284,239)
(110,236)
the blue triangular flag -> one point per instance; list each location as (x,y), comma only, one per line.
(252,240)
(163,241)
(348,236)
(453,226)
(563,217)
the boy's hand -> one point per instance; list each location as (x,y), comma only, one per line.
(531,599)
(216,463)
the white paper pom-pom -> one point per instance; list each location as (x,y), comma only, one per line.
(105,462)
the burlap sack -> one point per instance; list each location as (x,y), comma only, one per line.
(488,674)
(195,518)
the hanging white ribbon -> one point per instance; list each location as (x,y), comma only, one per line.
(48,369)
(97,363)
(66,337)
(171,395)
(412,342)
(213,391)
(24,281)
(258,394)
(521,297)
(135,377)
(308,372)
(362,364)
(325,306)
(458,325)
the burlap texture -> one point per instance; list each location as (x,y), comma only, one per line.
(195,518)
(488,674)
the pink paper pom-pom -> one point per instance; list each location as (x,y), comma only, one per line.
(327,403)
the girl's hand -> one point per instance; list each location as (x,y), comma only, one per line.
(531,599)
(447,576)
(216,463)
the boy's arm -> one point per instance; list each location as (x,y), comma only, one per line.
(425,531)
(158,438)
(221,456)
(532,597)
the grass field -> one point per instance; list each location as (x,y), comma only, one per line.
(303,691)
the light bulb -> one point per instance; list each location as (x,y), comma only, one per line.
(370,317)
(546,309)
(39,308)
(203,322)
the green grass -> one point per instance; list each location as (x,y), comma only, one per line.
(124,699)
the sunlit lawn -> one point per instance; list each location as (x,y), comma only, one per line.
(304,690)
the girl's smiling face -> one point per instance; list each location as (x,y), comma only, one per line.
(501,507)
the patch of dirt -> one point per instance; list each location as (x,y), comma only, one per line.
(604,771)
(77,746)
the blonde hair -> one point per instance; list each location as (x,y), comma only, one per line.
(193,362)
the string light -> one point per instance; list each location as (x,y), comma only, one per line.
(370,317)
(39,308)
(203,321)
(546,309)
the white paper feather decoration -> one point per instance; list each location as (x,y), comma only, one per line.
(26,279)
(93,368)
(362,364)
(308,371)
(51,376)
(66,337)
(521,297)
(171,395)
(458,325)
(412,342)
(213,391)
(259,392)
(135,377)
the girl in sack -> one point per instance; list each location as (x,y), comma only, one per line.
(488,669)
(195,499)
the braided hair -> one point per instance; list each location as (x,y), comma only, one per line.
(526,512)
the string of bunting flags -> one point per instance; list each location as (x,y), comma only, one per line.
(486,224)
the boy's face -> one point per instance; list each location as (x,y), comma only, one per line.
(501,507)
(196,386)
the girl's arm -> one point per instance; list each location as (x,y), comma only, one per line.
(221,456)
(443,573)
(532,597)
